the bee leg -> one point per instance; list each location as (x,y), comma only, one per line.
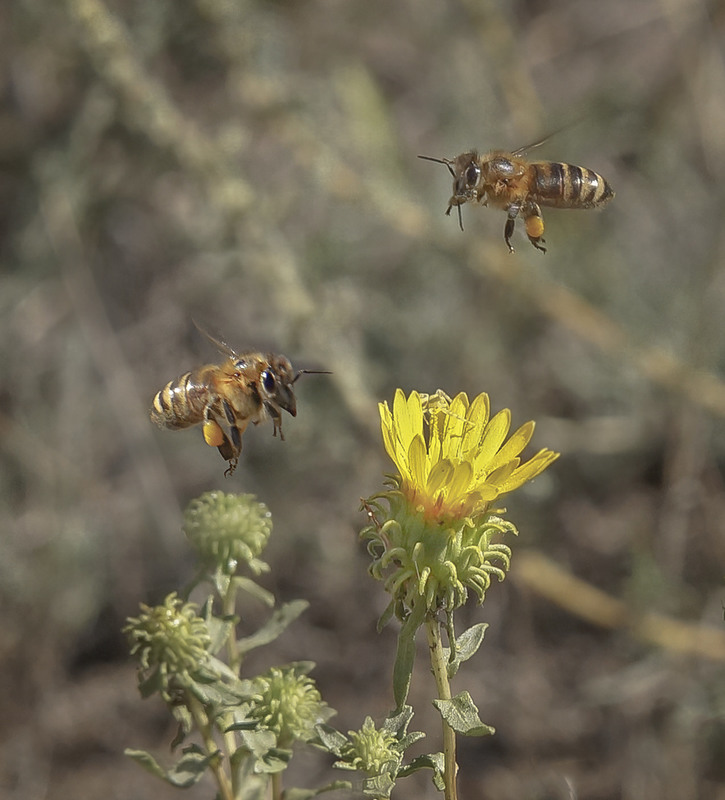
(277,421)
(230,450)
(221,429)
(534,223)
(232,466)
(508,231)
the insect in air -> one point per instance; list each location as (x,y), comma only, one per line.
(520,187)
(224,398)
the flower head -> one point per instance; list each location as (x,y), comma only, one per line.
(435,542)
(287,702)
(170,640)
(463,465)
(371,750)
(226,529)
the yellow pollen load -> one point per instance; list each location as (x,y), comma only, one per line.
(535,226)
(213,434)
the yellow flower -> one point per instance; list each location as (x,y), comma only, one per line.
(463,465)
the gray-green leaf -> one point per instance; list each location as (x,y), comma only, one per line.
(461,714)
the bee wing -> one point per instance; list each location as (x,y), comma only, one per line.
(565,126)
(528,147)
(220,344)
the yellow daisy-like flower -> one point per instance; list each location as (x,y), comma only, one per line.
(464,464)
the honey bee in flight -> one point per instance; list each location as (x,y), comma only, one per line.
(224,398)
(520,187)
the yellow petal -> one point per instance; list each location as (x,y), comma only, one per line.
(386,427)
(503,473)
(459,482)
(454,427)
(493,437)
(488,493)
(408,416)
(440,475)
(526,472)
(418,460)
(477,417)
(514,445)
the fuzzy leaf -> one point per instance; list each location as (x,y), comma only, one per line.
(274,626)
(410,739)
(305,794)
(378,786)
(467,645)
(151,683)
(397,721)
(470,640)
(219,629)
(461,714)
(186,772)
(220,581)
(254,590)
(261,745)
(386,616)
(276,760)
(183,716)
(330,739)
(405,655)
(245,725)
(215,695)
(432,761)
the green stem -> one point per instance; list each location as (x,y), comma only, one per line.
(229,607)
(440,673)
(276,786)
(205,729)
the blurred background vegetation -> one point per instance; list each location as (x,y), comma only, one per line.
(252,165)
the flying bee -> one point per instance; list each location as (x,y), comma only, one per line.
(520,187)
(224,398)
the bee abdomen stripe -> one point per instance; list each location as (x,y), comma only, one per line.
(569,186)
(549,180)
(173,403)
(591,187)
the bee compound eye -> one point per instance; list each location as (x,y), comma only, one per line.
(472,174)
(268,381)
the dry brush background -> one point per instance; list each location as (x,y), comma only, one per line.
(252,165)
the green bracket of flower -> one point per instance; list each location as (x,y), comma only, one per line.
(433,538)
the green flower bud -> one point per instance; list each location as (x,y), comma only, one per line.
(170,640)
(226,529)
(288,704)
(370,750)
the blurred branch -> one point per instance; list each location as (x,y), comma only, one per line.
(700,387)
(133,427)
(504,49)
(148,107)
(548,579)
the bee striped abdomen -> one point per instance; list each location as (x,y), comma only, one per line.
(568,186)
(180,404)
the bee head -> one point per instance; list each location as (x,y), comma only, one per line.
(275,386)
(466,172)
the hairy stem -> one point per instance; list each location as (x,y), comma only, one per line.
(205,729)
(277,786)
(438,664)
(229,606)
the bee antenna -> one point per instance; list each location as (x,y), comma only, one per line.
(311,372)
(440,161)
